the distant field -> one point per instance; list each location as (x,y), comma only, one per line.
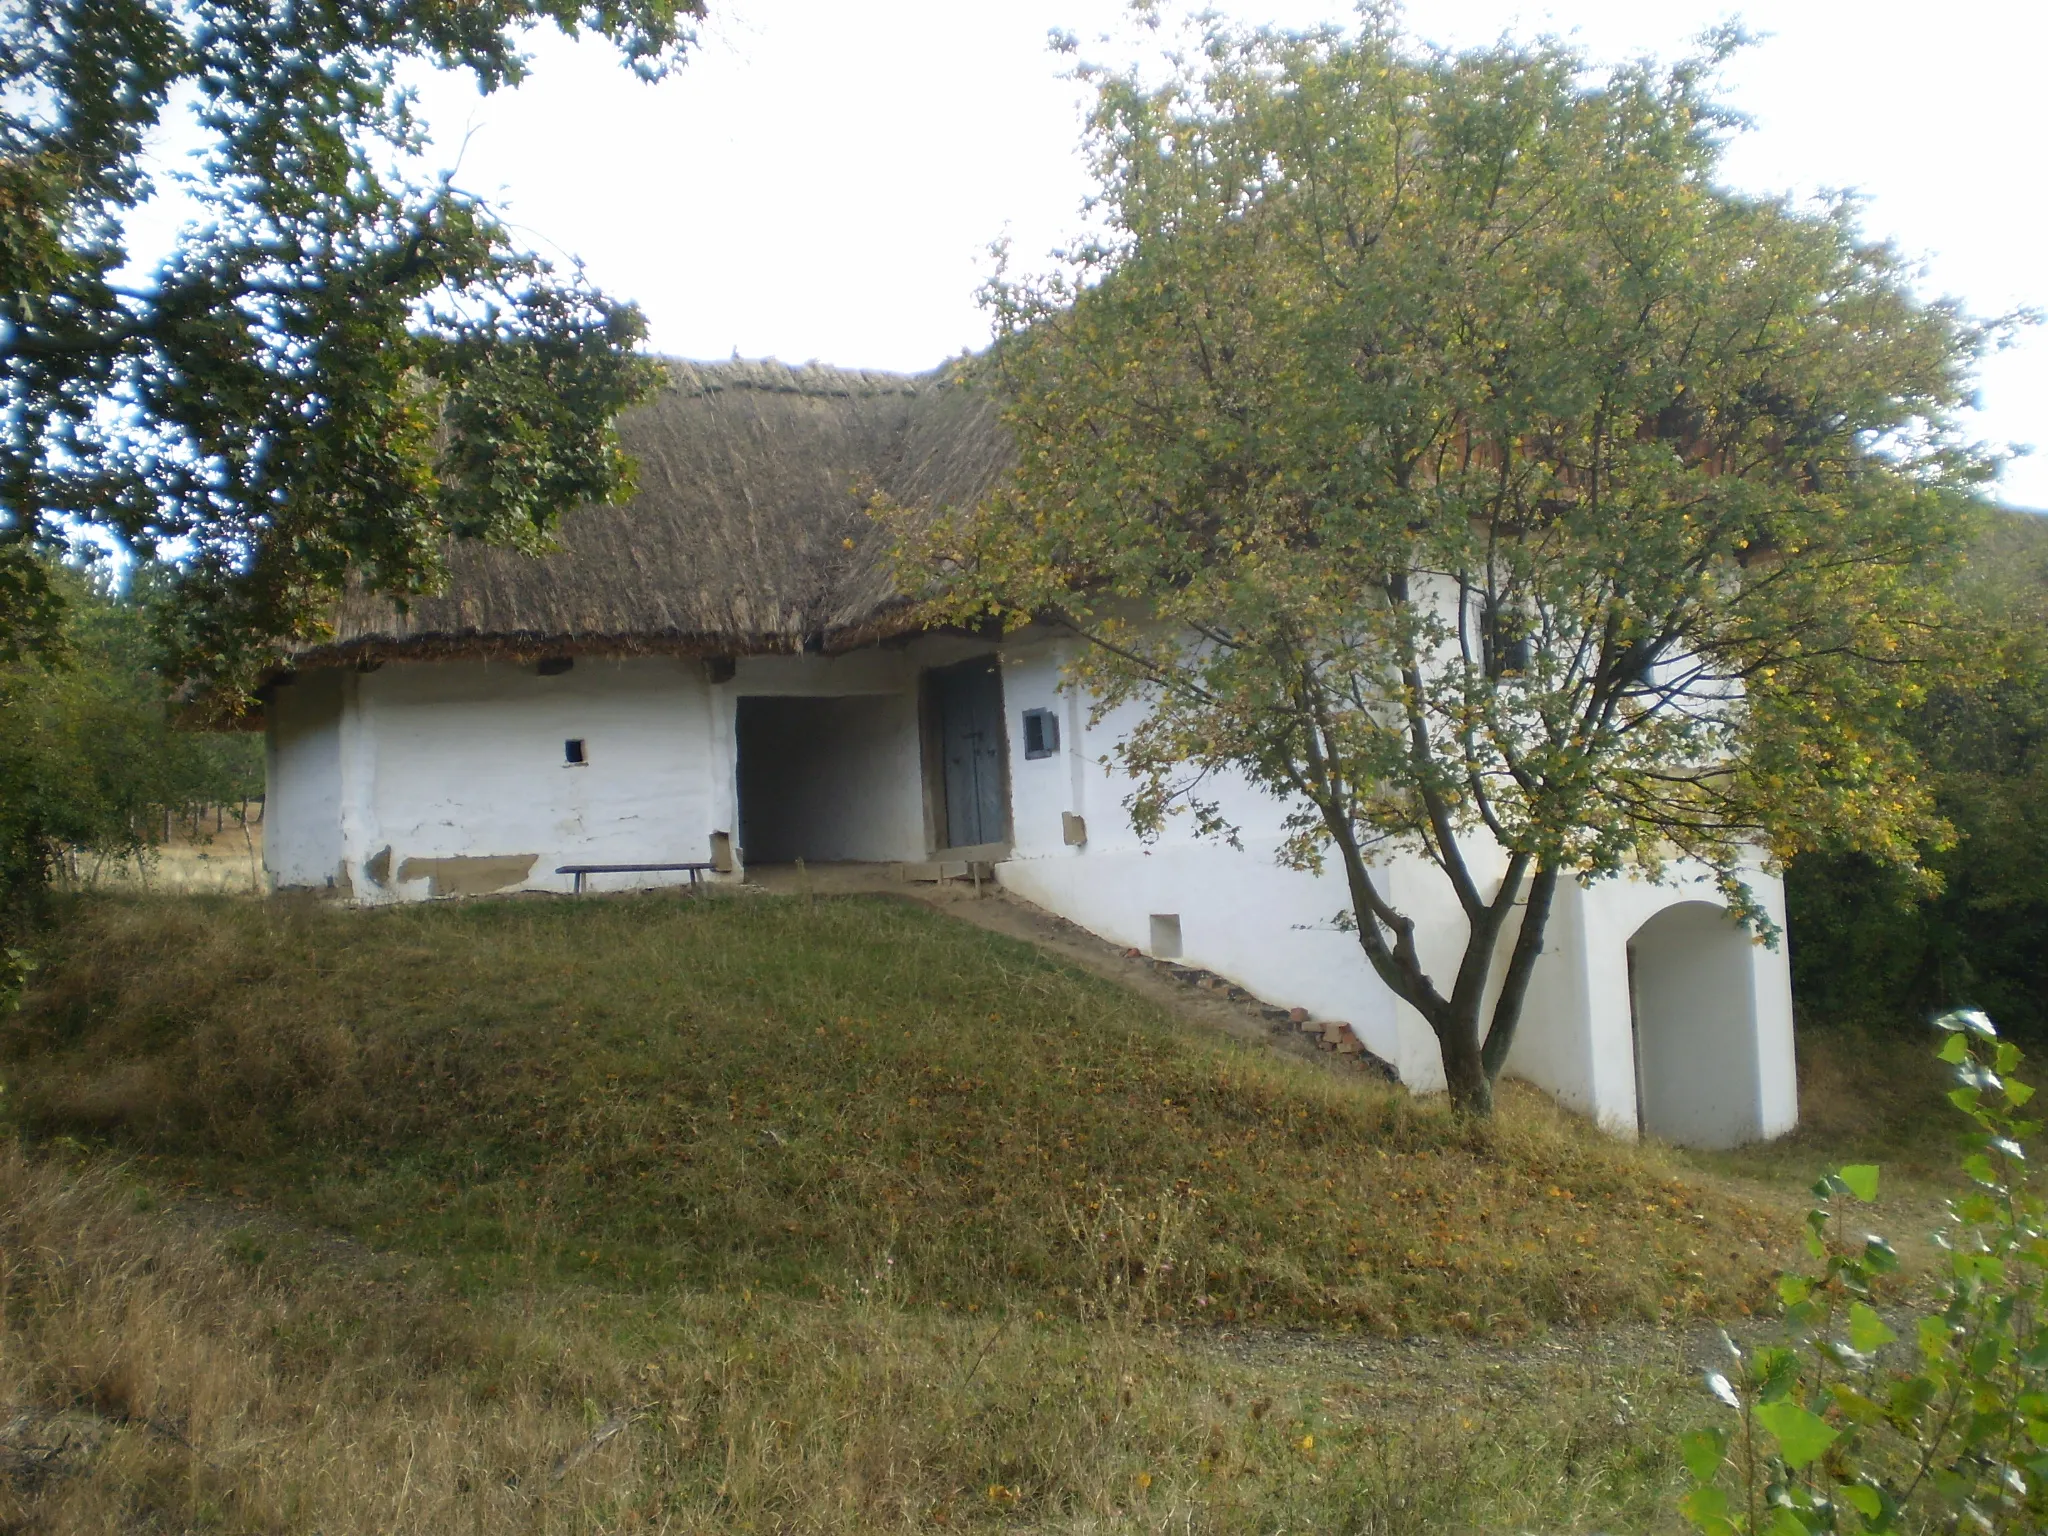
(224,861)
(763,1213)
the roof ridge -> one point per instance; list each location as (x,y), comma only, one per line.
(771,376)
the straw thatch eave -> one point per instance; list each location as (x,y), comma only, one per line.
(749,532)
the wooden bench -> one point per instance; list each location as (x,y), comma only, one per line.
(580,870)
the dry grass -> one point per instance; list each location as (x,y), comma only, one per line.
(227,862)
(777,1095)
(162,1373)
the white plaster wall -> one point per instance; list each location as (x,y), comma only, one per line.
(1242,914)
(1271,929)
(1759,1052)
(302,771)
(465,759)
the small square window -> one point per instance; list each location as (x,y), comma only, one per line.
(572,751)
(1041,733)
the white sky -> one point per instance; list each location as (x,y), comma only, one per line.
(822,180)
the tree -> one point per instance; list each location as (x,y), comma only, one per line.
(1872,945)
(339,365)
(89,760)
(1428,440)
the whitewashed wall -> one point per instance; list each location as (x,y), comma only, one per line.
(451,777)
(1271,930)
(302,768)
(465,761)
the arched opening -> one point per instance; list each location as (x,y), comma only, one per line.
(1692,988)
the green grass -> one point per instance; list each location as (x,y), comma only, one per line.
(826,1101)
(247,1379)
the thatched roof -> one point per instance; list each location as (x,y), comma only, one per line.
(749,532)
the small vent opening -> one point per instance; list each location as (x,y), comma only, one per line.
(1166,935)
(572,752)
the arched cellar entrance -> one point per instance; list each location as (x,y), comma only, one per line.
(1692,989)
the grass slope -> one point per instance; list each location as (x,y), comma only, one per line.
(824,1100)
(170,1370)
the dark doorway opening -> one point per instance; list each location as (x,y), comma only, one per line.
(966,757)
(826,779)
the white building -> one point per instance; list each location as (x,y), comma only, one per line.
(718,673)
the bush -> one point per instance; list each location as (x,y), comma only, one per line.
(1835,1432)
(90,759)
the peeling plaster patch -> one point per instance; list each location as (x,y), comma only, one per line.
(379,867)
(470,876)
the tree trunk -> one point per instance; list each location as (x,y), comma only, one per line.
(1507,1009)
(1465,1074)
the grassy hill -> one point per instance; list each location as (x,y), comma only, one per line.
(759,1214)
(820,1099)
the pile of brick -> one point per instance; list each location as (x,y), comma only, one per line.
(1328,1034)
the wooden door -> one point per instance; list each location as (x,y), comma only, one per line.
(968,703)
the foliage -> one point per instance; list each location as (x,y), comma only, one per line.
(767,1095)
(337,366)
(1871,944)
(1832,1434)
(89,760)
(1430,441)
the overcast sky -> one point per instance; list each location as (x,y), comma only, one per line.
(823,179)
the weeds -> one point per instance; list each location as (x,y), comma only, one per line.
(154,1381)
(764,1095)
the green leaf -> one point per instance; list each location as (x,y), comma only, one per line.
(1861,1179)
(1801,1436)
(1707,1508)
(1867,1331)
(1854,1406)
(1786,1522)
(1864,1499)
(1703,1450)
(1953,1050)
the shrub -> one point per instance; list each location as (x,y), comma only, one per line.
(1849,1429)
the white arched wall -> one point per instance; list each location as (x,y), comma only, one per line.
(1270,929)
(1711,1043)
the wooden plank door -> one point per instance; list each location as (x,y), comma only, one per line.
(969,704)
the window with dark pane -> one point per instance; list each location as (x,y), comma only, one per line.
(1041,733)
